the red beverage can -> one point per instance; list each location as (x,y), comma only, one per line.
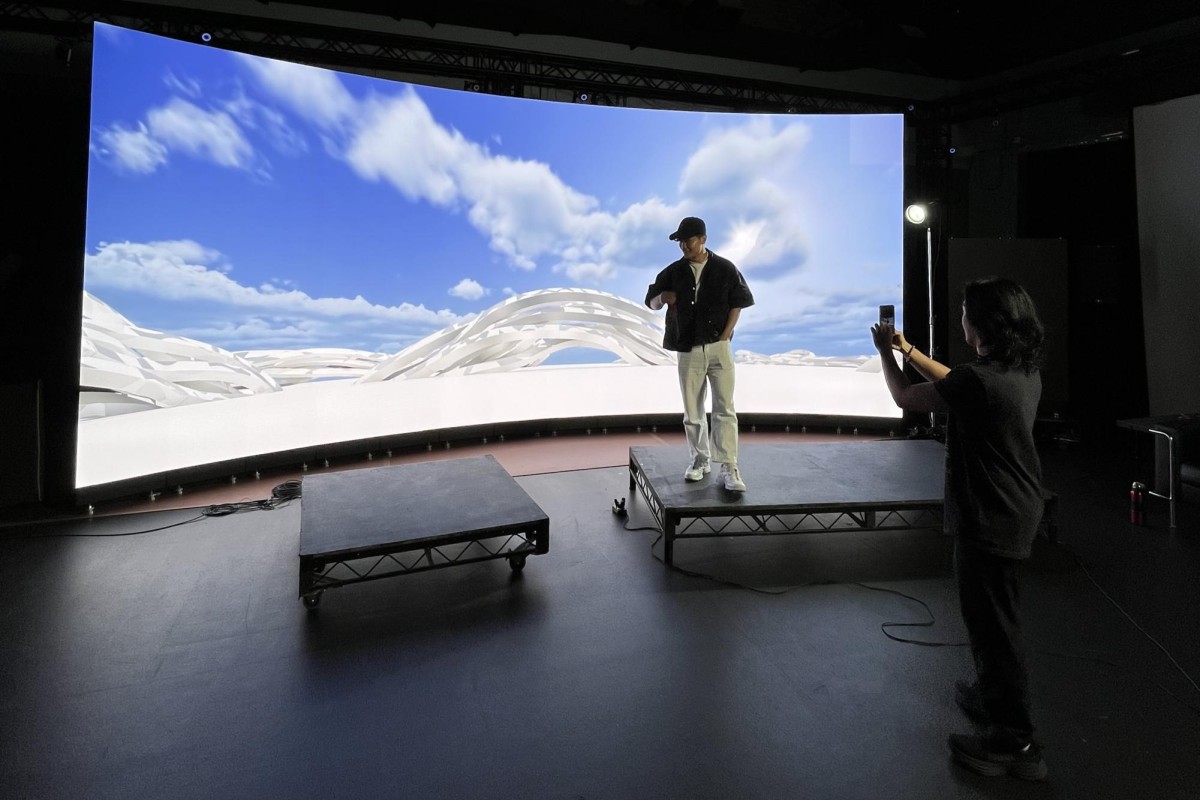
(1137,497)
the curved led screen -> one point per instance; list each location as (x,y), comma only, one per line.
(283,257)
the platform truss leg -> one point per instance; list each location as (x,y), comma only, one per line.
(321,572)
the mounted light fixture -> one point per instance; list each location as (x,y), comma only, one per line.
(916,213)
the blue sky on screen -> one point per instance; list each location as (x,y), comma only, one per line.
(254,204)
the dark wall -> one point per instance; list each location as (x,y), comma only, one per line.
(43,159)
(1087,195)
(1040,266)
(1066,171)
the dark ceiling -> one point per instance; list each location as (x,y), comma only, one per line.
(968,57)
(960,41)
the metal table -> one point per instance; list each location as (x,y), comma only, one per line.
(1167,431)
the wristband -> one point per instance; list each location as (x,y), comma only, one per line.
(908,354)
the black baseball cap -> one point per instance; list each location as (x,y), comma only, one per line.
(689,227)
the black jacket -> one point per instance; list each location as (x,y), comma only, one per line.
(699,318)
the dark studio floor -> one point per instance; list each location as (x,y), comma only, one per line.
(181,664)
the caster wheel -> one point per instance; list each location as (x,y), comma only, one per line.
(517,562)
(311,601)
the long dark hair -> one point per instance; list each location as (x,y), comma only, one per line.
(1006,320)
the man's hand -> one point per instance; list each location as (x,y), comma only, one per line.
(668,297)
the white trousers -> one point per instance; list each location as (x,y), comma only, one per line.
(709,365)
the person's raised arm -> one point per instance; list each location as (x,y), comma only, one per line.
(919,397)
(928,368)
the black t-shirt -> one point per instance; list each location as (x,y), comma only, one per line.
(993,473)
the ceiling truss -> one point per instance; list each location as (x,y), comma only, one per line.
(494,69)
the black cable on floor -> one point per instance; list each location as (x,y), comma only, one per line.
(932,619)
(884,626)
(109,535)
(715,579)
(281,496)
(1124,613)
(1097,660)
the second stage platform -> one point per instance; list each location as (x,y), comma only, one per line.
(795,488)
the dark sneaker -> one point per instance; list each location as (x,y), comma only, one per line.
(970,700)
(987,756)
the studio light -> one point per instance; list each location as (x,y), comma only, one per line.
(206,37)
(916,214)
(583,97)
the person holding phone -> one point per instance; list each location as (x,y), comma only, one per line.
(704,295)
(993,504)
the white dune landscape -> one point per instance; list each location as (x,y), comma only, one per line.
(153,403)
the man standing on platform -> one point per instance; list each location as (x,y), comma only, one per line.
(704,295)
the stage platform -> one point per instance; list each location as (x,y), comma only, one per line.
(367,524)
(795,488)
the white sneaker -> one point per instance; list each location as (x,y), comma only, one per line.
(732,478)
(699,468)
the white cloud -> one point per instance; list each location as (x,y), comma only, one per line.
(749,173)
(212,135)
(729,156)
(468,289)
(528,210)
(269,122)
(767,241)
(251,332)
(186,271)
(131,150)
(639,233)
(188,87)
(282,136)
(400,142)
(741,240)
(314,94)
(584,272)
(523,207)
(746,173)
(177,126)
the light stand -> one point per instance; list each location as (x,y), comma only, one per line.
(919,214)
(929,280)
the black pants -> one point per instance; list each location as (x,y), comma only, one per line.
(988,595)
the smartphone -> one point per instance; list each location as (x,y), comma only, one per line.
(887,315)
